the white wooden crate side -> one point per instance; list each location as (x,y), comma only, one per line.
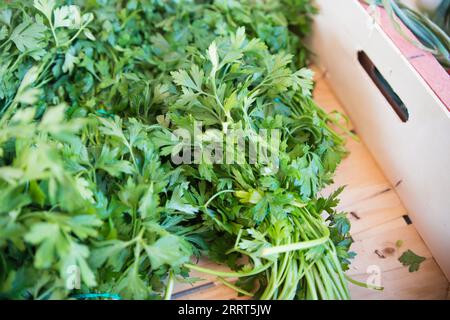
(416,152)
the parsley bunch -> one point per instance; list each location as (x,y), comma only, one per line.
(271,217)
(92,94)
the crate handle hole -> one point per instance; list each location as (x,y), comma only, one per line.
(383,85)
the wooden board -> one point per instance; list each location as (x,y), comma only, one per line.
(377,217)
(363,57)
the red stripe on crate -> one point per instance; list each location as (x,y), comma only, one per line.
(424,62)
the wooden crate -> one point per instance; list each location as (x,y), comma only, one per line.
(378,221)
(413,153)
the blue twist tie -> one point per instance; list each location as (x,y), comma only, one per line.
(112,296)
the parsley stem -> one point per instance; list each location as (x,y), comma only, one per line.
(5,43)
(327,281)
(234,287)
(236,243)
(362,284)
(290,285)
(75,36)
(9,111)
(18,60)
(334,259)
(229,274)
(215,196)
(295,246)
(272,286)
(311,284)
(213,80)
(319,283)
(49,18)
(169,287)
(286,264)
(342,288)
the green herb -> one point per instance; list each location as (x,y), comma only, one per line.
(276,223)
(411,260)
(88,125)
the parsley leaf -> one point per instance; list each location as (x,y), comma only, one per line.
(411,260)
(29,36)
